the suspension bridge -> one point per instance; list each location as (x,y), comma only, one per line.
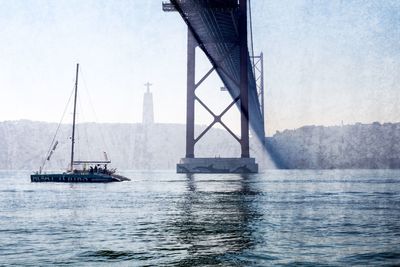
(220,29)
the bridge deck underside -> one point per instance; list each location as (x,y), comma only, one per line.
(214,24)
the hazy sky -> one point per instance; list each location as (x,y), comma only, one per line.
(325,61)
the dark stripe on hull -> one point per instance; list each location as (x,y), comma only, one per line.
(73,178)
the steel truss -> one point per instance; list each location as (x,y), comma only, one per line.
(219,29)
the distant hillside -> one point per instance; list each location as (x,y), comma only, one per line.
(363,146)
(24,144)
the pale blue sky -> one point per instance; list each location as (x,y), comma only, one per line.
(325,61)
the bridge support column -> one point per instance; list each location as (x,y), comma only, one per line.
(190,95)
(244,80)
(242,164)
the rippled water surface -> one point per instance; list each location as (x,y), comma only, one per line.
(307,218)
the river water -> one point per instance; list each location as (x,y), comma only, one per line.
(276,218)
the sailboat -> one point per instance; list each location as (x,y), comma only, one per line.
(78,171)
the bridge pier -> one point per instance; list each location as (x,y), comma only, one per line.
(244,164)
(217,165)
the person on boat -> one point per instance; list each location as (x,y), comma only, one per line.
(91,170)
(95,168)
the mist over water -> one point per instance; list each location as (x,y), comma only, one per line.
(281,217)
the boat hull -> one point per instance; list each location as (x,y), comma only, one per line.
(76,178)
